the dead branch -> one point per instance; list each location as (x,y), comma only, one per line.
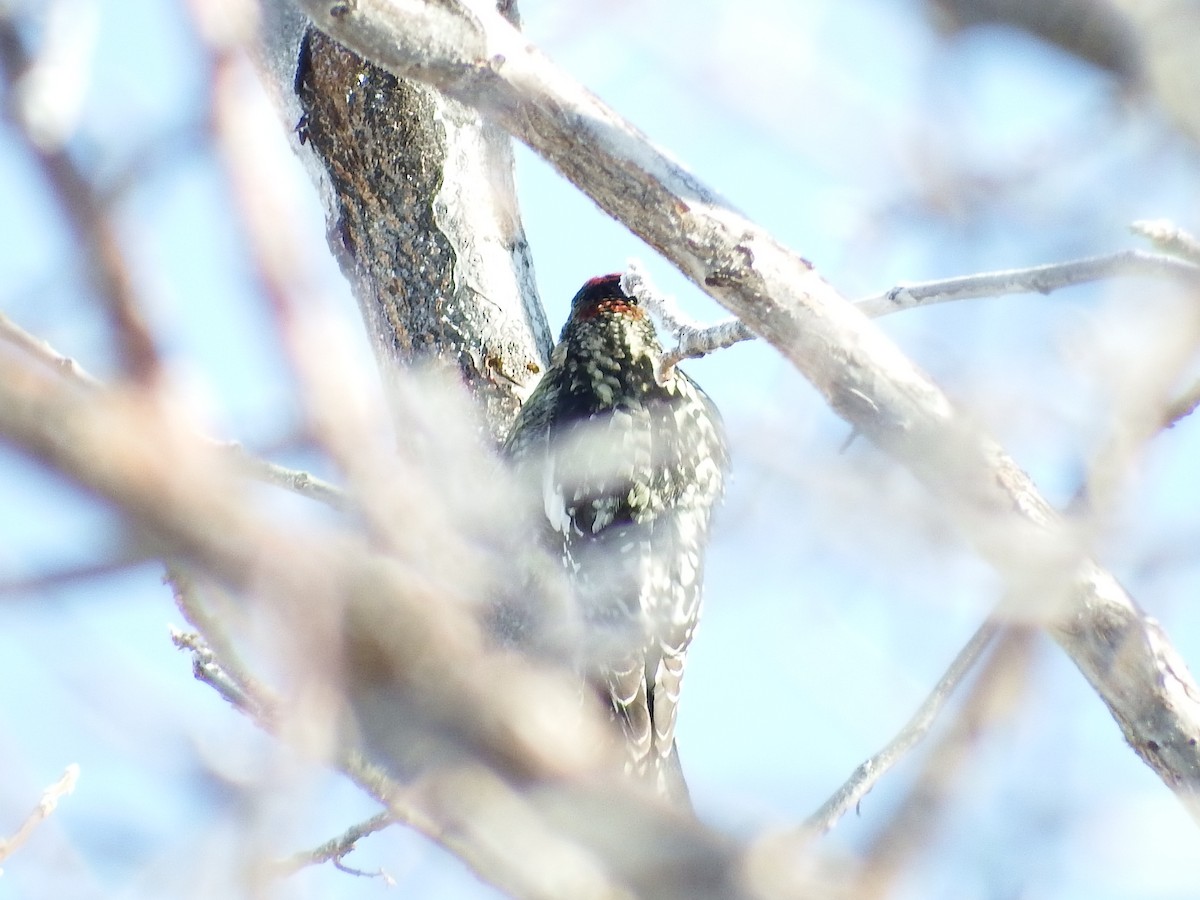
(1034,280)
(868,774)
(41,812)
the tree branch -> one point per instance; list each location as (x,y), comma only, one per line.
(1169,238)
(696,340)
(867,775)
(993,697)
(1034,280)
(295,480)
(86,218)
(537,808)
(47,805)
(473,56)
(424,222)
(14,334)
(596,842)
(179,493)
(337,848)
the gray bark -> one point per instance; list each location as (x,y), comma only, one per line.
(422,217)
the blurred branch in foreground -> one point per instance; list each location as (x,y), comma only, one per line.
(422,681)
(183,498)
(476,57)
(303,483)
(82,206)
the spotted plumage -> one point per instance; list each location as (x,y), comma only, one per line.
(628,462)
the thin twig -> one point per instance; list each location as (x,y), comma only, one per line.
(47,805)
(214,659)
(89,221)
(692,339)
(362,873)
(337,848)
(14,334)
(635,282)
(693,344)
(1169,238)
(695,340)
(1036,279)
(994,695)
(296,480)
(70,575)
(868,774)
(206,669)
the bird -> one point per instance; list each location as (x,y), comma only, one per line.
(624,459)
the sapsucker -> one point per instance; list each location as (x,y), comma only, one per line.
(627,462)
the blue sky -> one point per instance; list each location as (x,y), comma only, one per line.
(837,591)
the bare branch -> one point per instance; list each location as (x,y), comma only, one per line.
(473,55)
(872,770)
(206,669)
(428,692)
(295,480)
(41,812)
(695,340)
(994,696)
(1169,238)
(88,221)
(432,810)
(336,848)
(548,845)
(185,502)
(867,775)
(1035,280)
(11,332)
(360,873)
